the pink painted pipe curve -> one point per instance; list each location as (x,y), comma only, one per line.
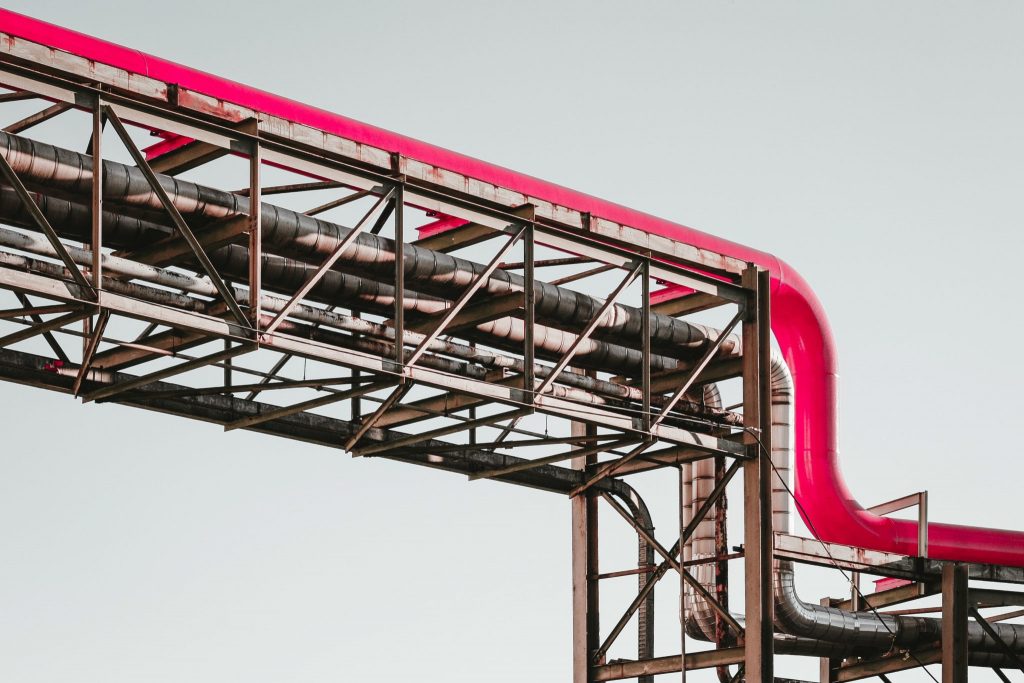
(798,320)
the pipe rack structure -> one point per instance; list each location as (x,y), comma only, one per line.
(417,286)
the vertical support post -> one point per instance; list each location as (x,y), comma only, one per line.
(757,512)
(529,314)
(585,568)
(683,522)
(227,365)
(356,403)
(721,550)
(399,315)
(645,363)
(255,237)
(922,524)
(954,623)
(97,195)
(855,591)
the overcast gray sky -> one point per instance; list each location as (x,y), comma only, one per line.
(876,146)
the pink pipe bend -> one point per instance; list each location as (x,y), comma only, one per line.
(798,320)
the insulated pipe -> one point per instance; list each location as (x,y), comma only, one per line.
(131,269)
(798,319)
(290,233)
(71,219)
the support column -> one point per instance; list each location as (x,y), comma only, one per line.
(954,623)
(757,511)
(585,623)
(255,237)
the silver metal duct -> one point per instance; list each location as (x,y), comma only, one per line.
(71,220)
(289,233)
(615,394)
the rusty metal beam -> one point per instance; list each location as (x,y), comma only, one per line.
(895,596)
(471,233)
(662,568)
(37,118)
(44,226)
(268,385)
(195,153)
(413,439)
(581,275)
(17,96)
(166,343)
(473,314)
(327,264)
(675,564)
(171,249)
(179,222)
(51,340)
(43,327)
(448,315)
(954,623)
(117,388)
(672,664)
(757,499)
(685,305)
(90,350)
(891,664)
(549,459)
(1007,650)
(303,406)
(705,358)
(293,187)
(32,311)
(335,203)
(385,405)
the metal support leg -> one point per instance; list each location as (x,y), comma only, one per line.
(757,513)
(954,623)
(682,583)
(585,568)
(255,238)
(97,197)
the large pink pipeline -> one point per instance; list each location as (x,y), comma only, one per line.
(798,320)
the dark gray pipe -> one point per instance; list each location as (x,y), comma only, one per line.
(289,233)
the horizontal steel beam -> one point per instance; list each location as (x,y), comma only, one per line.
(667,665)
(32,370)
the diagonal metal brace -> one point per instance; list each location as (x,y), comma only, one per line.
(179,222)
(698,368)
(675,564)
(987,627)
(460,303)
(44,225)
(315,278)
(43,328)
(583,336)
(90,350)
(551,459)
(141,381)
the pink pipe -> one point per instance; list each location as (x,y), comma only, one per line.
(798,320)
